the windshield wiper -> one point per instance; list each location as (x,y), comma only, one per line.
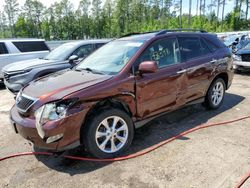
(90,70)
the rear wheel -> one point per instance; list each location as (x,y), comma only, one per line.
(215,94)
(108,134)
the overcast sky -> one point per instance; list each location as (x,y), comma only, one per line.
(229,4)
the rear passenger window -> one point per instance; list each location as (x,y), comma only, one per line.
(192,47)
(211,46)
(165,52)
(204,48)
(3,49)
(31,46)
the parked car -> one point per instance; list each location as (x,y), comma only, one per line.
(120,87)
(12,50)
(242,59)
(19,74)
(236,42)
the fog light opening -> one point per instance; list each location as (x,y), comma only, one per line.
(54,138)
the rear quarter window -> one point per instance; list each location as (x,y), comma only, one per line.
(211,45)
(3,49)
(31,46)
(212,40)
(192,47)
(98,45)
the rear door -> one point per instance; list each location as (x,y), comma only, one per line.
(197,58)
(159,92)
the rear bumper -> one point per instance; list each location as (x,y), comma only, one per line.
(69,127)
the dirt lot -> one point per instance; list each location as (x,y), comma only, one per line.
(213,157)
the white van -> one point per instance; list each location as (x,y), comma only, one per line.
(12,50)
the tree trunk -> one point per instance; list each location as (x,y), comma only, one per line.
(197,7)
(189,14)
(180,14)
(218,8)
(204,7)
(247,5)
(222,16)
(240,7)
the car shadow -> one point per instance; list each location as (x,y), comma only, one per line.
(157,130)
(243,73)
(2,87)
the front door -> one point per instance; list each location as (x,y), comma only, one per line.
(160,91)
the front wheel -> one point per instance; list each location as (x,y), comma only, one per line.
(108,134)
(215,94)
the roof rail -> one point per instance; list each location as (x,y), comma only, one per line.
(164,31)
(138,33)
(185,29)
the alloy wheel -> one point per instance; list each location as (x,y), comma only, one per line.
(111,134)
(217,93)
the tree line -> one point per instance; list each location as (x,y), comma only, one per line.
(113,18)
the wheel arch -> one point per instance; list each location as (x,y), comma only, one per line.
(105,104)
(222,75)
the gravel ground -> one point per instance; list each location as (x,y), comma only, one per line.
(214,157)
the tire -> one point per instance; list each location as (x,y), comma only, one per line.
(99,134)
(216,90)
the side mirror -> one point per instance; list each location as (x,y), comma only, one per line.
(73,58)
(148,67)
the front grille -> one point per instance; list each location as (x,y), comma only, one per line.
(24,102)
(6,76)
(245,57)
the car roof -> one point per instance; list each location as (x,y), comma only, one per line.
(149,35)
(82,42)
(20,39)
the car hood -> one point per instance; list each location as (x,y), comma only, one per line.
(58,85)
(243,51)
(29,64)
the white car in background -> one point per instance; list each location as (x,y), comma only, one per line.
(13,50)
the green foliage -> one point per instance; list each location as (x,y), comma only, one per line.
(114,18)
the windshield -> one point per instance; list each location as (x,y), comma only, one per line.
(111,58)
(61,53)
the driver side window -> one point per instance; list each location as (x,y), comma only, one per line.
(164,51)
(83,51)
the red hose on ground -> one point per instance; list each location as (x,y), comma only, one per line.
(243,180)
(140,153)
(137,154)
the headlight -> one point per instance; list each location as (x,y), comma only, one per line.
(18,95)
(50,112)
(237,57)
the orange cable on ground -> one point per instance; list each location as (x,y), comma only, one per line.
(140,153)
(137,154)
(243,180)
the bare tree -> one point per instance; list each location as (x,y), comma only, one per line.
(222,15)
(218,8)
(247,6)
(11,9)
(189,14)
(180,13)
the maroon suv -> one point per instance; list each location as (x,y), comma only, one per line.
(121,86)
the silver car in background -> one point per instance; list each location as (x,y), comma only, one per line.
(13,50)
(19,74)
